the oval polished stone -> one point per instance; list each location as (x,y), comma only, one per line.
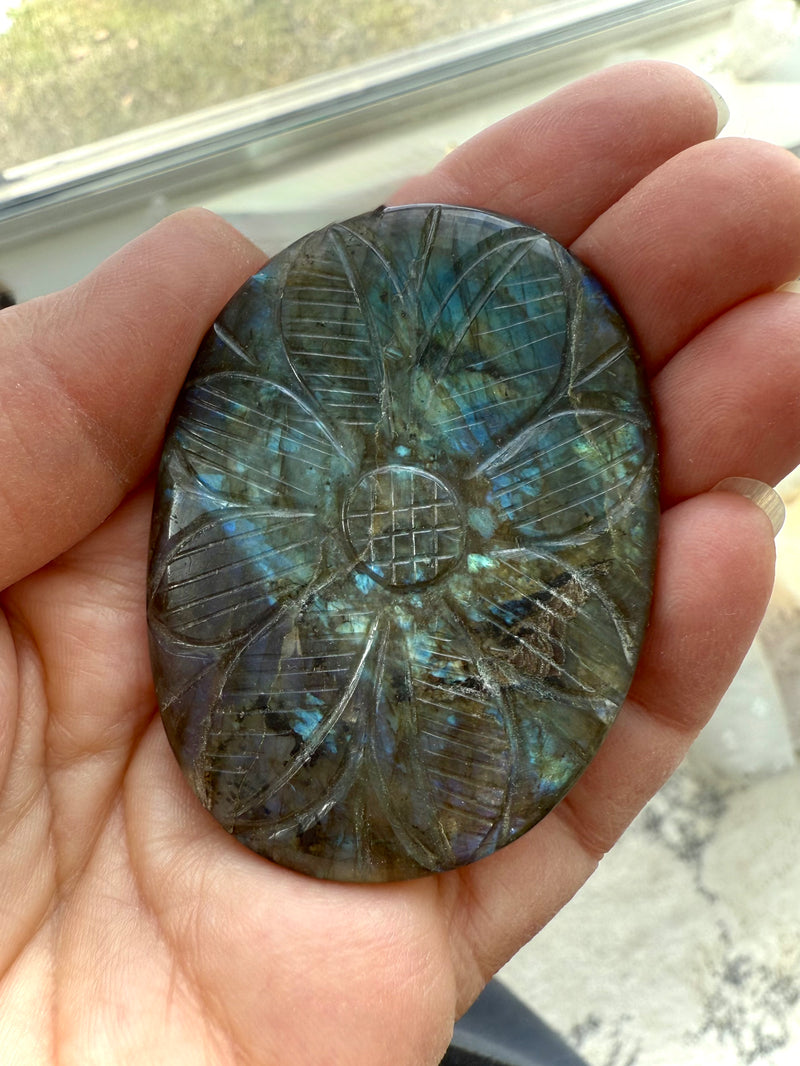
(403,543)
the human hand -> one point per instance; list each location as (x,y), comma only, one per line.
(133,928)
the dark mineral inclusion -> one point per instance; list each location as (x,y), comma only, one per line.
(403,543)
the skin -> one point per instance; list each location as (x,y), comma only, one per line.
(132,929)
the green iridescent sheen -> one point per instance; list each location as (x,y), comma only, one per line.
(403,543)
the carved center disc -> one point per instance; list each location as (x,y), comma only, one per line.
(404,526)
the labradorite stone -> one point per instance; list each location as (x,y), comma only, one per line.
(403,543)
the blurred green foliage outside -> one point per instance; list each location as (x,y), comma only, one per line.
(75,71)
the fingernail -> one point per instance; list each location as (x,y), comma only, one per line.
(762,495)
(790,286)
(723,111)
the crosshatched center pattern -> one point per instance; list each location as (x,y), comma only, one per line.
(403,543)
(404,525)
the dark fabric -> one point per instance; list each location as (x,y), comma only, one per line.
(499,1030)
(6,298)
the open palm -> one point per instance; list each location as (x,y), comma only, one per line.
(132,928)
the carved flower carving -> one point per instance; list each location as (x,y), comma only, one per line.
(404,542)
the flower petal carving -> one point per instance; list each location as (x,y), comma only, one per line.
(252,441)
(442,756)
(289,725)
(569,476)
(494,350)
(227,571)
(528,612)
(339,323)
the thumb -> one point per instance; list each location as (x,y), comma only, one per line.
(89,376)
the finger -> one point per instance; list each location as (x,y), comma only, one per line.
(89,375)
(710,228)
(729,403)
(715,562)
(561,162)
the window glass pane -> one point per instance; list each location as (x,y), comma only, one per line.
(76,71)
